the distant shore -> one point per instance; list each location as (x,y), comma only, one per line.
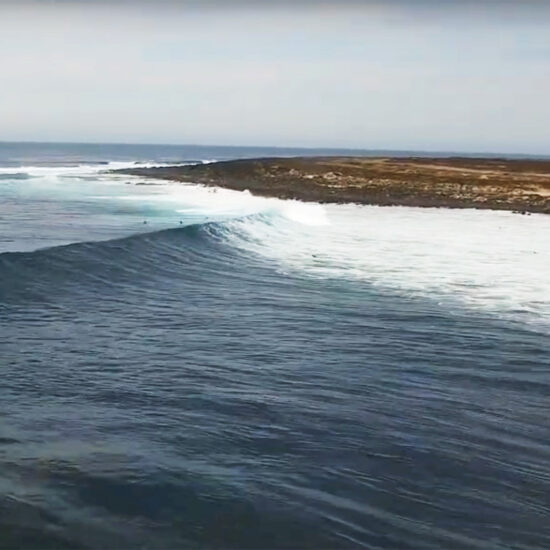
(498,184)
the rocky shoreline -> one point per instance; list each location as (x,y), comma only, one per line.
(499,184)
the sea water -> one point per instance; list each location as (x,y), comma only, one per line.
(185,366)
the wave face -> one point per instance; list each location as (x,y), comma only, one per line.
(267,373)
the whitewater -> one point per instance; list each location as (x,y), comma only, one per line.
(187,366)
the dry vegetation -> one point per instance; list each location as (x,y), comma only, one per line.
(519,185)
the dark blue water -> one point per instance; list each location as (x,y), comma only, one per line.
(66,154)
(169,390)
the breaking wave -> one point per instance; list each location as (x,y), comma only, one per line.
(496,263)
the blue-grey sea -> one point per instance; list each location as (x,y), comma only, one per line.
(190,367)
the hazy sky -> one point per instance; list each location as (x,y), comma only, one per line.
(424,75)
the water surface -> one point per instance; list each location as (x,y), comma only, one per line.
(184,367)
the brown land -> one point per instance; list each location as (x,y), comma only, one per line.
(500,184)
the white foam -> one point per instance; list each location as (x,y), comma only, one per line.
(496,261)
(83,169)
(305,213)
(219,202)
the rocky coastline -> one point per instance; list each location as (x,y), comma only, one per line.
(457,182)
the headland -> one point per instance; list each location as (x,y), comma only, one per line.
(455,182)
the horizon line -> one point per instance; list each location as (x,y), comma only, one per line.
(282,147)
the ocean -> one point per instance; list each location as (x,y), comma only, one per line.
(189,367)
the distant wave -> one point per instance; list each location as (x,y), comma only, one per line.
(15,176)
(56,163)
(75,162)
(77,167)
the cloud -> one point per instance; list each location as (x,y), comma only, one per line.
(381,75)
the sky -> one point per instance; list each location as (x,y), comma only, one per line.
(445,75)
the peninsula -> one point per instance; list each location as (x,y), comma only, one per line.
(454,182)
